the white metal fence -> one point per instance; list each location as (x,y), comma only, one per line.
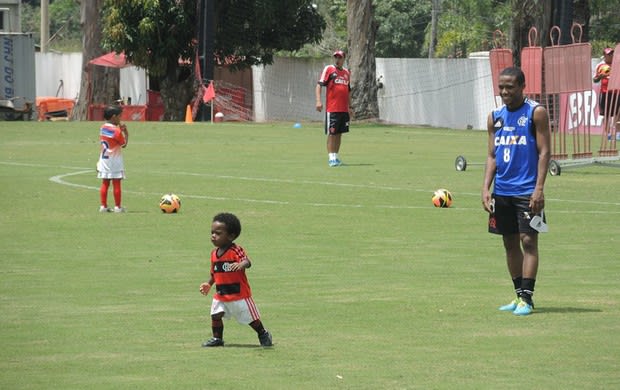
(452,93)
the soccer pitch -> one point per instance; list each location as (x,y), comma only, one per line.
(361,281)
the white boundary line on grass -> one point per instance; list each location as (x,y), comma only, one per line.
(59,179)
(370,186)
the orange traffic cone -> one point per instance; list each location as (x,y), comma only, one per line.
(188,115)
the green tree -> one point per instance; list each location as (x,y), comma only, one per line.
(65,30)
(334,12)
(466,26)
(31,20)
(155,34)
(604,24)
(402,27)
(253,31)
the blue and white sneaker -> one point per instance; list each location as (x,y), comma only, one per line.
(523,308)
(334,163)
(510,306)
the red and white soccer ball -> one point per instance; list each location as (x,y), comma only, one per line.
(442,198)
(170,203)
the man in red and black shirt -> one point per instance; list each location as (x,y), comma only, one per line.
(336,79)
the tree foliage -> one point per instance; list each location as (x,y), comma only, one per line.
(154,33)
(467,26)
(402,25)
(253,31)
(604,22)
(64,16)
(334,36)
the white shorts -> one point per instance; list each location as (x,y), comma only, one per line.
(111,168)
(243,310)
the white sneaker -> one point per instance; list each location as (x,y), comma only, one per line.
(103,209)
(119,209)
(334,163)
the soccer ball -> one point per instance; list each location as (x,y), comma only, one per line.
(170,203)
(442,198)
(605,69)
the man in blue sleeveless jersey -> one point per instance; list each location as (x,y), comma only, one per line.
(517,163)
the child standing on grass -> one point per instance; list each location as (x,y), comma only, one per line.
(233,296)
(110,167)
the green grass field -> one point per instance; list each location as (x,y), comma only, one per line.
(363,284)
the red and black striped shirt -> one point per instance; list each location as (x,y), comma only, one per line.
(230,285)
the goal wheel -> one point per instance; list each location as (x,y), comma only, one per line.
(460,163)
(554,168)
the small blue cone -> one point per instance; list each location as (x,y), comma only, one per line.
(297,125)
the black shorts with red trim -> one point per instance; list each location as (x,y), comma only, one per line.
(336,122)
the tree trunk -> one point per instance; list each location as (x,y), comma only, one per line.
(434,19)
(100,85)
(565,21)
(528,14)
(177,89)
(545,24)
(362,30)
(582,16)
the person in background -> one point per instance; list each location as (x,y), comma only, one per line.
(336,79)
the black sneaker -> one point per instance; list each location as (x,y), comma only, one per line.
(265,339)
(213,342)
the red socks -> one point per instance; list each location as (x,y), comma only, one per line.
(103,191)
(117,192)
